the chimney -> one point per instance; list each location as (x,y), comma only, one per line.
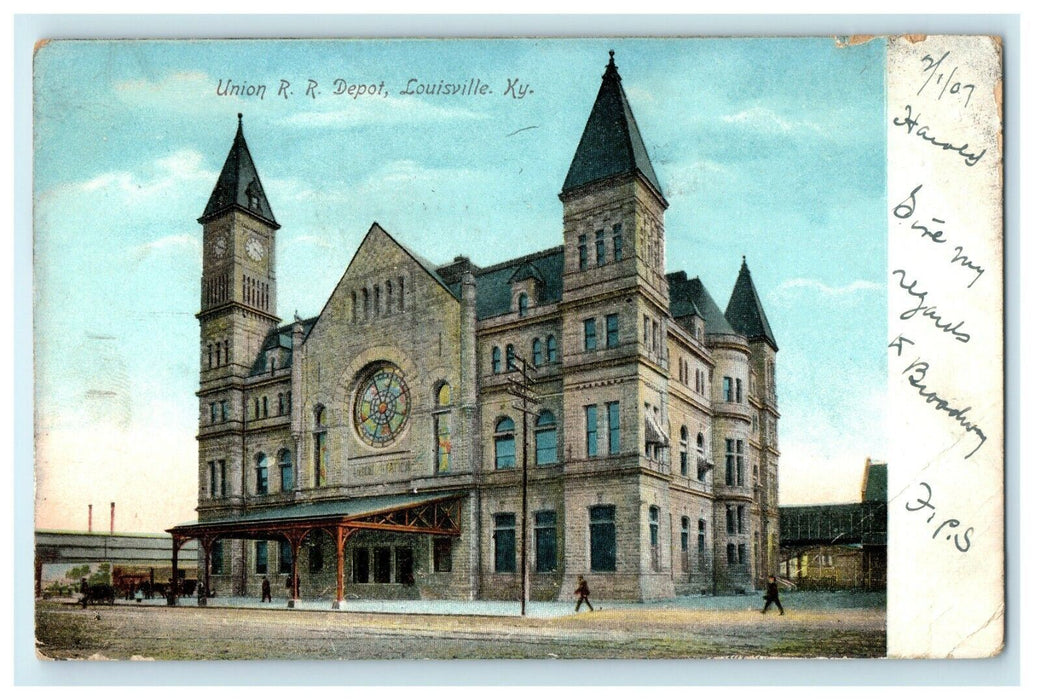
(112,518)
(90,517)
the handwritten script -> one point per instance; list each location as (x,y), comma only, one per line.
(961,539)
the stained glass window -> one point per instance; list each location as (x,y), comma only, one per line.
(382,406)
(443,429)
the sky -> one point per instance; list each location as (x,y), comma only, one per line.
(769,148)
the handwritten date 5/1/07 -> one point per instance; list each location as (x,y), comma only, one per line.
(936,76)
(950,526)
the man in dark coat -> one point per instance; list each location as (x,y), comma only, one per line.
(265,591)
(771,595)
(583,594)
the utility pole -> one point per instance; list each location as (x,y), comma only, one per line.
(524,389)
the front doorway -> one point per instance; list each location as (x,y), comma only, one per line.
(404,574)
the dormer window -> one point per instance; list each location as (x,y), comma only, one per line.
(253,195)
(522,305)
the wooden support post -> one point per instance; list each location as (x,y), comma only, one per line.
(204,579)
(171,595)
(340,536)
(295,540)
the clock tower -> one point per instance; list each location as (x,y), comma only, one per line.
(238,291)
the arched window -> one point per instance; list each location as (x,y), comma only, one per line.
(505,450)
(685,543)
(522,305)
(209,356)
(261,474)
(281,404)
(496,360)
(365,303)
(285,468)
(536,352)
(511,357)
(551,349)
(321,456)
(653,517)
(443,429)
(683,450)
(390,297)
(546,439)
(376,300)
(702,527)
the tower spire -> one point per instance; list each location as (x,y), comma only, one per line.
(238,186)
(745,311)
(611,143)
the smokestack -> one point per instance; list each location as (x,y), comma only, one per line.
(112,518)
(90,517)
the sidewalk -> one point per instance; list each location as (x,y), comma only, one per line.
(542,609)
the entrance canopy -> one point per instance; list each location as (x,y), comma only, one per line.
(420,514)
(429,513)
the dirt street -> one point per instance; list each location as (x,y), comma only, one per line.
(123,632)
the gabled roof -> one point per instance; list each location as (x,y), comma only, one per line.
(527,271)
(611,144)
(745,311)
(690,296)
(238,185)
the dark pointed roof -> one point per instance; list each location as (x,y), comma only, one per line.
(688,297)
(745,311)
(239,185)
(611,143)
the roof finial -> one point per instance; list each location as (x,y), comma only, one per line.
(610,69)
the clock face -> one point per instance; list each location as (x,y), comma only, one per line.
(254,248)
(382,406)
(220,246)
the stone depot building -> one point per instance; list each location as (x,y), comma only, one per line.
(376,449)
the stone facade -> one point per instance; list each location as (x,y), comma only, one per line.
(652,444)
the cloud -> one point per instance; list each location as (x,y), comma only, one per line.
(187,92)
(162,176)
(689,177)
(311,240)
(352,113)
(792,288)
(767,120)
(176,244)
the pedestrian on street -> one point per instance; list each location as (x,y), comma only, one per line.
(583,594)
(265,591)
(289,587)
(771,595)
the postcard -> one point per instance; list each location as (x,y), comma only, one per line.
(519,348)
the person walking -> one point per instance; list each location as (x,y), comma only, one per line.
(265,591)
(771,595)
(583,594)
